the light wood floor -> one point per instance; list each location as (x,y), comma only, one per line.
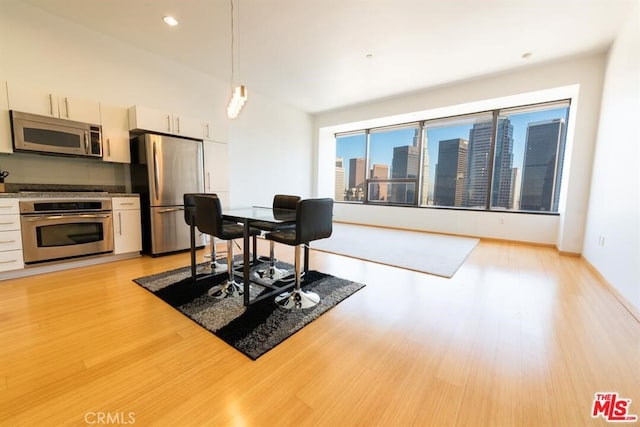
(519,336)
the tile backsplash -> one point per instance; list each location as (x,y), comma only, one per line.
(26,169)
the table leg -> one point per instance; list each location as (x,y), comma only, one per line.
(245,267)
(255,249)
(192,231)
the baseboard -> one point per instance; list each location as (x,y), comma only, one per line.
(32,270)
(625,303)
(573,254)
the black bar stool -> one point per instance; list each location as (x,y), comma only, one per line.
(281,202)
(209,221)
(212,267)
(314,221)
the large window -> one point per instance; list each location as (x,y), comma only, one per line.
(508,159)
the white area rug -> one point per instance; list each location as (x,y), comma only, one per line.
(431,253)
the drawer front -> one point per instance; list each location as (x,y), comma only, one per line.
(11,260)
(9,222)
(125,203)
(9,206)
(10,240)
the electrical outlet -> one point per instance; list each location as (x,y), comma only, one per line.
(601,240)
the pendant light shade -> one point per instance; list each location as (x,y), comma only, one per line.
(238,98)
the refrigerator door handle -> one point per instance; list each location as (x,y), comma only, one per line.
(156,178)
(170,210)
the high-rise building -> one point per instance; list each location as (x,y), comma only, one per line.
(479,173)
(424,195)
(405,164)
(543,154)
(450,181)
(340,188)
(502,187)
(379,191)
(356,179)
(516,179)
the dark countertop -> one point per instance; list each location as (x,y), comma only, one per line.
(62,194)
(52,191)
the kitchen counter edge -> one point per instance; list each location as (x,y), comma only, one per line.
(65,194)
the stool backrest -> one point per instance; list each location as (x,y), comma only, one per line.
(314,219)
(284,201)
(208,214)
(190,206)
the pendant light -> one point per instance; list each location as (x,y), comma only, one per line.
(238,93)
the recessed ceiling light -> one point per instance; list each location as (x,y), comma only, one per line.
(526,55)
(369,55)
(170,21)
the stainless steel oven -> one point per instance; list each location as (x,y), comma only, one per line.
(64,228)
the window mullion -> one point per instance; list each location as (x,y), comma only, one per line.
(492,153)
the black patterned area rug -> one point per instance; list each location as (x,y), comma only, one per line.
(252,331)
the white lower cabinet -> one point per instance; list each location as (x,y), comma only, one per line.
(127,228)
(10,238)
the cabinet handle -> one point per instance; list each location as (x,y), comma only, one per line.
(7,241)
(168,123)
(51,103)
(208,181)
(5,206)
(178,124)
(7,223)
(8,261)
(66,106)
(108,147)
(207,130)
(126,203)
(120,222)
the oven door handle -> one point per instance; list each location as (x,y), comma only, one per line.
(55,217)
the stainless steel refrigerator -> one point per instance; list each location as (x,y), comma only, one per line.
(163,169)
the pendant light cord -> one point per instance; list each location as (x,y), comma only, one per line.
(232,47)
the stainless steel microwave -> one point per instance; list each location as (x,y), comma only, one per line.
(51,135)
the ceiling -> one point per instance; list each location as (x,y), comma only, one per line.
(318,55)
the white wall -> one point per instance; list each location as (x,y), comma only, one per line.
(47,52)
(272,152)
(612,238)
(579,79)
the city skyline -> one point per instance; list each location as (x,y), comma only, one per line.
(508,162)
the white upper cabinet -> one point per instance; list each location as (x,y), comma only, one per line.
(187,126)
(47,103)
(115,134)
(149,119)
(143,118)
(6,145)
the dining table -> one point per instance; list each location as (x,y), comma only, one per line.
(248,216)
